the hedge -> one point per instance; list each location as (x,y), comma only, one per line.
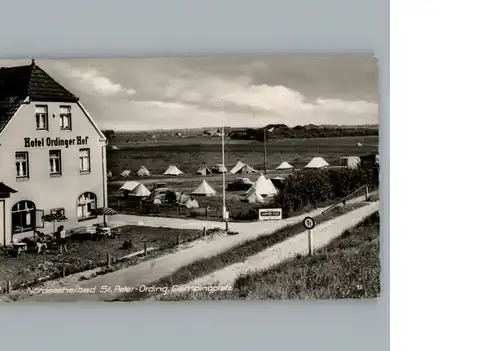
(310,188)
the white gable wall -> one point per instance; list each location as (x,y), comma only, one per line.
(46,191)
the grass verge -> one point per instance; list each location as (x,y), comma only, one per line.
(84,254)
(349,267)
(236,254)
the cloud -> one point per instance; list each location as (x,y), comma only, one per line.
(183,93)
(93,82)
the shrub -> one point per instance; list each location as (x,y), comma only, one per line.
(312,188)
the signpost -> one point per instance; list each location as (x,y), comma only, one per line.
(269,214)
(309,224)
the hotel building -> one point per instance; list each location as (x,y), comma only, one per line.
(52,155)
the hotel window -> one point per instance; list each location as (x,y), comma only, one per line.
(22,165)
(23,217)
(87,202)
(65,118)
(84,160)
(55,162)
(42,117)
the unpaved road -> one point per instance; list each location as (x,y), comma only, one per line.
(323,234)
(155,269)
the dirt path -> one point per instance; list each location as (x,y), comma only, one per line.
(322,236)
(155,269)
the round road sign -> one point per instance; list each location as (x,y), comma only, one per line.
(309,223)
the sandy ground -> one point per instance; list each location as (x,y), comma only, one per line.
(112,285)
(322,236)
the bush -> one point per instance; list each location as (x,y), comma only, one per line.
(312,188)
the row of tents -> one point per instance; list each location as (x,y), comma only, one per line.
(262,188)
(240,167)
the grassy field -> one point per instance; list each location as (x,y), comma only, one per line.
(237,254)
(190,153)
(348,267)
(84,254)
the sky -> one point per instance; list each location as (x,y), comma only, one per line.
(171,93)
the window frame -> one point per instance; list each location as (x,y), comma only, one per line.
(82,171)
(89,216)
(55,174)
(27,171)
(46,113)
(30,211)
(67,115)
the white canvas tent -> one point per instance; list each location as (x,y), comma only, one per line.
(284,165)
(237,167)
(241,167)
(125,173)
(263,187)
(204,170)
(140,191)
(253,197)
(129,186)
(173,171)
(143,172)
(204,189)
(317,162)
(359,145)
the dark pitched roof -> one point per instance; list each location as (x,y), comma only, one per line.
(4,189)
(21,82)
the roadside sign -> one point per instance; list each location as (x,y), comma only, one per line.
(309,223)
(269,214)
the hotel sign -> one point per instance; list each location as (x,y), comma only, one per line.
(52,142)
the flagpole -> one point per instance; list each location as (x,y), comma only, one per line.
(223,163)
(265,150)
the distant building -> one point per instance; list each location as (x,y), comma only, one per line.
(52,154)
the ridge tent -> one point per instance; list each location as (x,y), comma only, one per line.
(129,186)
(125,173)
(284,165)
(173,170)
(219,168)
(140,191)
(204,189)
(204,170)
(237,167)
(317,162)
(143,172)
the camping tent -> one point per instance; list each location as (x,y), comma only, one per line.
(109,174)
(359,144)
(253,197)
(204,189)
(284,165)
(129,186)
(317,162)
(263,187)
(173,171)
(125,173)
(204,170)
(237,167)
(143,172)
(140,191)
(241,167)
